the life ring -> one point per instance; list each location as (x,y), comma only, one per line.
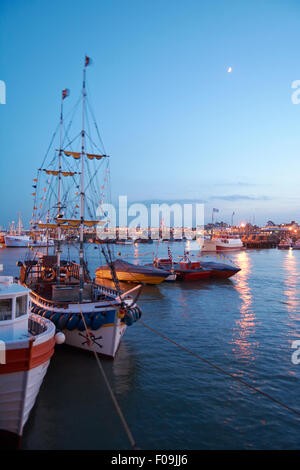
(64,274)
(48,274)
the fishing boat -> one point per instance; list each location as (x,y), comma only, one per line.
(92,317)
(228,244)
(130,272)
(285,244)
(26,347)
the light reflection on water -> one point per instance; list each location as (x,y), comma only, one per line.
(291,282)
(292,293)
(245,325)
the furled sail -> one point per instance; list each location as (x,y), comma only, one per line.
(76,222)
(75,155)
(56,172)
(91,156)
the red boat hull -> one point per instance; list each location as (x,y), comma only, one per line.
(193,276)
(222,274)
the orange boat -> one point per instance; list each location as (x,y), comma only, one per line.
(129,272)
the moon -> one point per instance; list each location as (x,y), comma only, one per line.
(229,69)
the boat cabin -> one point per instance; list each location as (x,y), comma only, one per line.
(184,265)
(14,309)
(162,262)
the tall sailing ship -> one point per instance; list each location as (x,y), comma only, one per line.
(91,316)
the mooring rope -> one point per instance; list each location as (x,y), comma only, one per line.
(220,369)
(118,409)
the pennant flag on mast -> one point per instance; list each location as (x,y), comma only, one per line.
(65,93)
(88,61)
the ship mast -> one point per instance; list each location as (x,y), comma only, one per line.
(82,195)
(64,94)
(58,250)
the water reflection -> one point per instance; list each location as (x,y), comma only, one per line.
(291,282)
(245,325)
(123,368)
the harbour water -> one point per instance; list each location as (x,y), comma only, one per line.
(172,400)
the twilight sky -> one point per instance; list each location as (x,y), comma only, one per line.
(176,124)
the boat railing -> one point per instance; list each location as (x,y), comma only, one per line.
(74,269)
(106,290)
(64,304)
(49,303)
(34,270)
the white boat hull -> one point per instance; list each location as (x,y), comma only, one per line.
(15,241)
(104,340)
(229,244)
(16,401)
(22,370)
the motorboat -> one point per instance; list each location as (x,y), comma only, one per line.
(228,244)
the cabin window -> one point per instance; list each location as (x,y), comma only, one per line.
(21,306)
(5,309)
